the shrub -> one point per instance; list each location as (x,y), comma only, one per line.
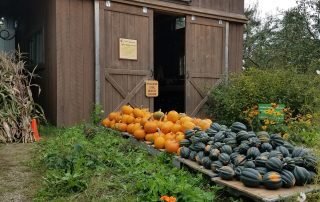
(299,92)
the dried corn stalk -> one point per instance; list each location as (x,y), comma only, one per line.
(17,107)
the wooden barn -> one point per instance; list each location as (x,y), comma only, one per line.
(104,52)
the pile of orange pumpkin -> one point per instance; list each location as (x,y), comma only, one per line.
(165,131)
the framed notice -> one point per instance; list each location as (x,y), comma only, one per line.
(152,88)
(128,49)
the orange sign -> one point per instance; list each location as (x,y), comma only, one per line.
(152,88)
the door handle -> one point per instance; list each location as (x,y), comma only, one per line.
(187,75)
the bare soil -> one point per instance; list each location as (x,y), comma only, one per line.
(18,182)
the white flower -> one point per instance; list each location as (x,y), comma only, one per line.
(302,197)
(318,72)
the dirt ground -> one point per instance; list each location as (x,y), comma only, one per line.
(18,182)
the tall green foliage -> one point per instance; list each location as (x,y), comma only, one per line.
(300,92)
(292,41)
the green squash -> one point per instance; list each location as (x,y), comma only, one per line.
(224,158)
(185,143)
(243,148)
(272,180)
(238,171)
(226,173)
(206,162)
(276,140)
(214,154)
(274,164)
(208,148)
(232,142)
(289,146)
(288,179)
(216,165)
(266,147)
(253,153)
(261,170)
(289,163)
(192,155)
(185,152)
(250,177)
(237,126)
(199,146)
(249,164)
(215,126)
(263,136)
(199,157)
(226,149)
(283,150)
(299,152)
(189,133)
(302,175)
(261,161)
(220,136)
(310,162)
(276,154)
(240,160)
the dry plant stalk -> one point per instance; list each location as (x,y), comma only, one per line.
(17,106)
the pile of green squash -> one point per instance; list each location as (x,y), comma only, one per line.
(253,158)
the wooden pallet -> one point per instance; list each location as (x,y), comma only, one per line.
(262,194)
(234,187)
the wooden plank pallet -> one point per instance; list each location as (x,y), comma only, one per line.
(262,194)
(234,187)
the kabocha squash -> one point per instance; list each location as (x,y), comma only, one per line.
(289,163)
(288,179)
(272,180)
(249,164)
(206,162)
(250,177)
(240,160)
(215,165)
(310,162)
(283,150)
(192,156)
(276,140)
(185,152)
(224,158)
(266,147)
(215,127)
(299,152)
(261,170)
(274,164)
(261,161)
(289,146)
(185,143)
(237,126)
(253,153)
(263,136)
(226,149)
(301,175)
(214,154)
(226,172)
(276,154)
(238,171)
(199,157)
(219,137)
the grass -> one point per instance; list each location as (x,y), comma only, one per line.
(109,168)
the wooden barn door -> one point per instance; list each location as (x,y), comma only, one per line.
(124,79)
(204,60)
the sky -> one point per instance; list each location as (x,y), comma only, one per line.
(271,7)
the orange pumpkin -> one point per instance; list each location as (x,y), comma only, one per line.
(187,125)
(209,121)
(112,124)
(137,120)
(130,128)
(106,122)
(150,127)
(196,121)
(113,115)
(180,136)
(139,134)
(176,128)
(159,143)
(169,136)
(173,116)
(185,119)
(126,109)
(136,126)
(172,146)
(204,125)
(166,127)
(119,119)
(149,137)
(121,127)
(138,113)
(143,121)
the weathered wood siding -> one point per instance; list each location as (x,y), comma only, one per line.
(235,47)
(231,6)
(75,60)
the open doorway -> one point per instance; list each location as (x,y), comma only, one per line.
(169,61)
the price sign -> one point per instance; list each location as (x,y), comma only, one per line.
(152,88)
